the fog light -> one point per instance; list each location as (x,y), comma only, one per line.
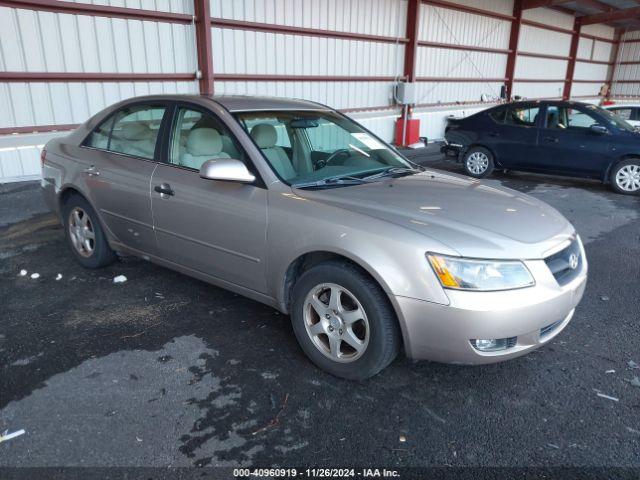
(493,344)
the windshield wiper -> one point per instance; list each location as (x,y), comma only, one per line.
(392,171)
(331,181)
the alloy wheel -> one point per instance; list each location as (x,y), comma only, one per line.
(628,178)
(81,232)
(336,322)
(477,163)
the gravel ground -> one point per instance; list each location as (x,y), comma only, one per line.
(164,370)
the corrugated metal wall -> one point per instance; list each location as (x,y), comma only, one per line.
(626,81)
(36,41)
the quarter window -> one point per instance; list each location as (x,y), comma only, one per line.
(132,131)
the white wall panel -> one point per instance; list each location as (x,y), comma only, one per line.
(498,6)
(582,89)
(242,51)
(174,6)
(334,94)
(602,51)
(540,68)
(539,40)
(38,103)
(549,17)
(54,42)
(590,71)
(433,120)
(599,30)
(451,26)
(441,62)
(450,92)
(585,48)
(375,17)
(538,90)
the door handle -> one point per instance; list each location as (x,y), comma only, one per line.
(91,171)
(551,139)
(494,134)
(164,190)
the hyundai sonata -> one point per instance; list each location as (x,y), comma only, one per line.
(293,204)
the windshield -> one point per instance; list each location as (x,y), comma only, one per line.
(613,119)
(317,146)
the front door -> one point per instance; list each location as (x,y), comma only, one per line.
(119,158)
(569,146)
(213,227)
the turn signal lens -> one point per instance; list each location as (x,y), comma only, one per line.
(440,267)
(480,275)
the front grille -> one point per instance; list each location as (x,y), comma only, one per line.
(544,331)
(561,266)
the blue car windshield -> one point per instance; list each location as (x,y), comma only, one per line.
(304,147)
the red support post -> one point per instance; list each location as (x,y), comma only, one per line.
(571,64)
(203,45)
(516,23)
(411,48)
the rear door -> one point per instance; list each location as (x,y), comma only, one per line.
(569,146)
(513,134)
(121,155)
(212,227)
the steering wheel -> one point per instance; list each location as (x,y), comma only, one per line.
(323,163)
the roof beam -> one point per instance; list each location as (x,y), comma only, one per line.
(529,4)
(611,16)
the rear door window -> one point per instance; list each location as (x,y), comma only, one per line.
(522,116)
(131,131)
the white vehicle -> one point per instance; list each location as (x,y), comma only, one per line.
(630,112)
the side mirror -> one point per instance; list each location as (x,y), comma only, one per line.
(226,169)
(598,129)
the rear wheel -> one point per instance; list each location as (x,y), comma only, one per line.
(625,177)
(84,233)
(478,162)
(343,321)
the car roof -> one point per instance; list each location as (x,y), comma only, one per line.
(241,103)
(568,103)
(622,105)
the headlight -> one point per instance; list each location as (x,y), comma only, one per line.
(480,275)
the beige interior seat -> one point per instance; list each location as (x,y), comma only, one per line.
(135,138)
(202,144)
(266,136)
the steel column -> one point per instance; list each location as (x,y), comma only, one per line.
(203,45)
(616,54)
(571,64)
(516,23)
(411,32)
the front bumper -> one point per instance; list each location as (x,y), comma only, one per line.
(532,315)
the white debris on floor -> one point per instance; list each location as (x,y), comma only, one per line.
(59,277)
(8,436)
(119,279)
(35,276)
(23,273)
(608,397)
(610,371)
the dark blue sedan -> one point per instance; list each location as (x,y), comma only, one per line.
(553,137)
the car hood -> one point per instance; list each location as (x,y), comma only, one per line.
(471,217)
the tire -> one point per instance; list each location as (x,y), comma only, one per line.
(84,233)
(376,330)
(478,162)
(625,177)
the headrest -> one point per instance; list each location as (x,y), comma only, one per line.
(204,141)
(265,135)
(136,131)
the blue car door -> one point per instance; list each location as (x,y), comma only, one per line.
(568,144)
(512,135)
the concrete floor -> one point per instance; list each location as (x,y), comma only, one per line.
(164,370)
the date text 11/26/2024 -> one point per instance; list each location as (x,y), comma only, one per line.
(315,473)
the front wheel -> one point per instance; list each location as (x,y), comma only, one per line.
(625,177)
(343,321)
(478,162)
